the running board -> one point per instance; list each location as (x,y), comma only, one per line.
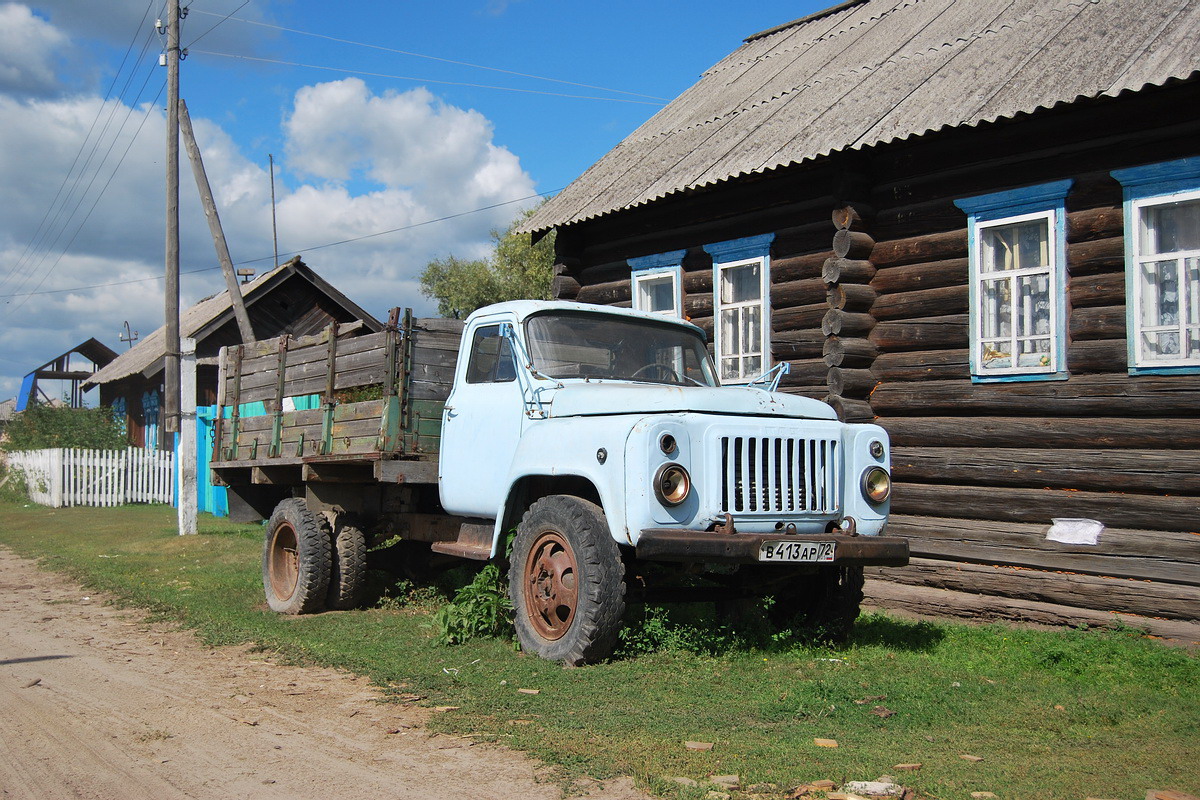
(474,542)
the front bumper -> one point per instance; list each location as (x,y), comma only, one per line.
(709,547)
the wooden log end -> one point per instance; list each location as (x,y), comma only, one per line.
(852,244)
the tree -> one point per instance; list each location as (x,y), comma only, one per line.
(516,270)
(41,426)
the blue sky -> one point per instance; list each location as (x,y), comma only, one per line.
(365,138)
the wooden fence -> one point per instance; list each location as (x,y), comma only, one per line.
(68,477)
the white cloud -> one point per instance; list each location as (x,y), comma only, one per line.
(28,46)
(356,164)
(339,130)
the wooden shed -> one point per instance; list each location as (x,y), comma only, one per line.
(291,299)
(977,224)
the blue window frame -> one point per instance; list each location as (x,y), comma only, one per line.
(1017,248)
(658,283)
(1162,266)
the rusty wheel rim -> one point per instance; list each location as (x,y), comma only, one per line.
(283,567)
(551,585)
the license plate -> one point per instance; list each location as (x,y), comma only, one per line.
(813,552)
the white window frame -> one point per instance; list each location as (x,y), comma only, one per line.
(720,346)
(736,253)
(1044,202)
(1189,294)
(675,274)
(979,277)
(1145,187)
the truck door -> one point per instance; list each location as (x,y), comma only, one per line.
(481,425)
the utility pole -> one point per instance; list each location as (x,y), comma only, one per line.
(274,233)
(185,455)
(171,359)
(214,226)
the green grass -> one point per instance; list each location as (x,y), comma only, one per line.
(1068,714)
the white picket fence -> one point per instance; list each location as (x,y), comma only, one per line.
(69,477)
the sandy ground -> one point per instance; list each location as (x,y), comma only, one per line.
(96,702)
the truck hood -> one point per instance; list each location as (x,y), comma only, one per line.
(591,399)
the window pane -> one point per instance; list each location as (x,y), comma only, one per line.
(996,308)
(1161,345)
(1170,228)
(994,354)
(656,294)
(1033,311)
(1034,241)
(731,343)
(587,345)
(751,329)
(491,357)
(1160,293)
(741,284)
(1191,268)
(1021,246)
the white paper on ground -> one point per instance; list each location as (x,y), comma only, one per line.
(1074,531)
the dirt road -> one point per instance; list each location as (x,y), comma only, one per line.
(96,702)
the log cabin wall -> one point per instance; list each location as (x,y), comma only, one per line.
(869,305)
(982,469)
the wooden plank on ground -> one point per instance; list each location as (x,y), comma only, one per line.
(1121,595)
(930,601)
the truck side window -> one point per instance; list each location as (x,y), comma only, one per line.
(491,357)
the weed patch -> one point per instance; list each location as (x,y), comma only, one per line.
(480,609)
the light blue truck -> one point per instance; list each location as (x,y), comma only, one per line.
(601,436)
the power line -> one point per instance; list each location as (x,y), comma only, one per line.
(301,250)
(100,110)
(424,80)
(219,22)
(86,216)
(83,195)
(47,245)
(409,227)
(422,55)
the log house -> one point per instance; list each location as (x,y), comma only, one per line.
(894,198)
(291,299)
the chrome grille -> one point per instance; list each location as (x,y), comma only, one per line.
(779,475)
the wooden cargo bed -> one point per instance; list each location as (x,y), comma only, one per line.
(338,404)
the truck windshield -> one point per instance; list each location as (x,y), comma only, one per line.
(604,346)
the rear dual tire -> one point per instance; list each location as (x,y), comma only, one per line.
(297,557)
(307,565)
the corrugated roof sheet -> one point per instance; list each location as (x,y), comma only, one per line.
(877,71)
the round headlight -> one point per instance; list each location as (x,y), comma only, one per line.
(672,484)
(876,484)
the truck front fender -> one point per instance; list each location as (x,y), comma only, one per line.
(583,456)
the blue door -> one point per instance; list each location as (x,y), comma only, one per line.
(212,499)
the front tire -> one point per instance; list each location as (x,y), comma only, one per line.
(566,581)
(296,559)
